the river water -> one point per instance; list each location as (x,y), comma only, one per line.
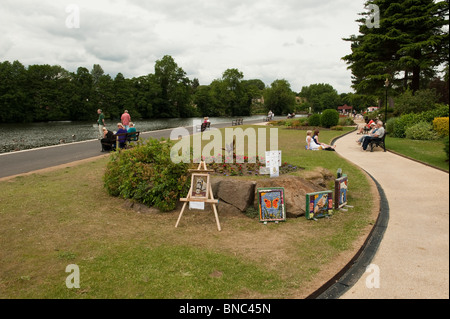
(17,137)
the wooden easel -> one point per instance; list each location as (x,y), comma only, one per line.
(210,200)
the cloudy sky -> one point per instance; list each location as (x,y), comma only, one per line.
(297,40)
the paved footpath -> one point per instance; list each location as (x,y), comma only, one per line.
(413,257)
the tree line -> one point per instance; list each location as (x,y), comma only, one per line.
(43,93)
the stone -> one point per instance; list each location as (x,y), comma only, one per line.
(239,193)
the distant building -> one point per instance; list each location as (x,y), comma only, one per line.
(372,109)
(345,109)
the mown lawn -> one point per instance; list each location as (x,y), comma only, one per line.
(51,220)
(430,152)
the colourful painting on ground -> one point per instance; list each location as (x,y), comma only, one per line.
(319,205)
(340,192)
(271,204)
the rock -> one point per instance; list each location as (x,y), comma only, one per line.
(295,190)
(239,193)
(320,176)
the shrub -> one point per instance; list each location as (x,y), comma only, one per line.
(421,131)
(329,118)
(390,125)
(146,174)
(441,126)
(416,103)
(314,120)
(337,128)
(347,121)
(408,120)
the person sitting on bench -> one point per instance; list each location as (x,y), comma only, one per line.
(373,127)
(377,135)
(122,138)
(108,140)
(132,129)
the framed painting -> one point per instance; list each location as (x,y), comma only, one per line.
(340,192)
(319,205)
(199,186)
(271,204)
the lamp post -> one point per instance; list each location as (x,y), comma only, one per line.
(386,84)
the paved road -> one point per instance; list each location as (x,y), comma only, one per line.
(413,257)
(16,163)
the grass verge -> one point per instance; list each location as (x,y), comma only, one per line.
(50,220)
(429,152)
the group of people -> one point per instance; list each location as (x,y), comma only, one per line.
(108,138)
(313,144)
(376,132)
(270,115)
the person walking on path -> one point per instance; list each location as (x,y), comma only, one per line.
(100,123)
(126,119)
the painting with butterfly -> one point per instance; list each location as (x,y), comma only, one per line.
(271,204)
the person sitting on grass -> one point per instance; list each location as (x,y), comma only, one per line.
(310,144)
(325,147)
(378,135)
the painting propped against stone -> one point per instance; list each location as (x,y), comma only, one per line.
(340,192)
(319,205)
(199,186)
(271,204)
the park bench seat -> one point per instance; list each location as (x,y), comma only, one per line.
(378,143)
(130,137)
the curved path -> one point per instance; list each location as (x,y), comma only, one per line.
(412,261)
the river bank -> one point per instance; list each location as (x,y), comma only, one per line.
(19,137)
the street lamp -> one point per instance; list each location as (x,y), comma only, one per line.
(386,84)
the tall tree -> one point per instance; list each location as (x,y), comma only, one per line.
(407,47)
(175,89)
(279,97)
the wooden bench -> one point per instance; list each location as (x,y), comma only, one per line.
(237,122)
(267,119)
(378,143)
(203,127)
(130,137)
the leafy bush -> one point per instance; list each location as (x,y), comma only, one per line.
(347,121)
(421,131)
(329,118)
(390,125)
(441,126)
(146,174)
(314,120)
(422,100)
(408,120)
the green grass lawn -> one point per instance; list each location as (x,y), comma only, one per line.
(51,220)
(430,152)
